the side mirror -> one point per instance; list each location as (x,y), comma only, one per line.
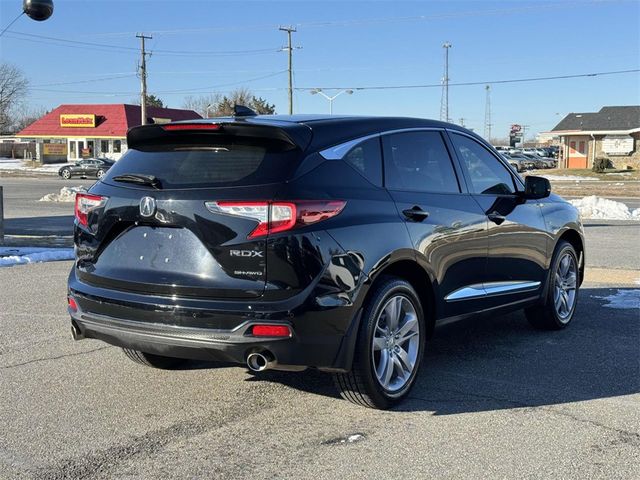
(536,187)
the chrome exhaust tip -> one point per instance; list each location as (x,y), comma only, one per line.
(258,362)
(76,334)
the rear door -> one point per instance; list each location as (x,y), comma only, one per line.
(194,229)
(518,241)
(447,227)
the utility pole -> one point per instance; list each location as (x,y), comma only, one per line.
(462,121)
(487,115)
(444,101)
(289,49)
(143,78)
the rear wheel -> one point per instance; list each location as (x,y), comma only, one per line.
(151,360)
(562,294)
(389,347)
(66,174)
(100,174)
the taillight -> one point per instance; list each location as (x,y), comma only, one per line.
(274,217)
(85,203)
(192,126)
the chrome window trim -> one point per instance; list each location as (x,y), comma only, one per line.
(337,152)
(502,161)
(491,289)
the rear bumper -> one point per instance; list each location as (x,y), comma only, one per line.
(219,331)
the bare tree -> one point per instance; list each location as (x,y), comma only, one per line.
(13,88)
(216,105)
(203,105)
(26,116)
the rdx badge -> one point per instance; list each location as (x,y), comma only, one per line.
(245,253)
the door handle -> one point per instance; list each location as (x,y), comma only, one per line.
(496,218)
(415,213)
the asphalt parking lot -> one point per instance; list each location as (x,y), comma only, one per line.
(494,399)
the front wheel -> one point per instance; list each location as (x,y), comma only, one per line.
(151,360)
(562,293)
(66,174)
(99,174)
(389,347)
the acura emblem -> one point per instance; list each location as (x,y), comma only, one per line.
(147,206)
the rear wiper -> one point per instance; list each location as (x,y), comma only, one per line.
(139,179)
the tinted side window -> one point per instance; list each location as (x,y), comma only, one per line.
(485,171)
(418,161)
(367,159)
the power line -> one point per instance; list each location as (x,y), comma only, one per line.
(187,90)
(465,84)
(63,42)
(375,21)
(91,80)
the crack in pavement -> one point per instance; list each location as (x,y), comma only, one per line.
(531,407)
(101,462)
(36,360)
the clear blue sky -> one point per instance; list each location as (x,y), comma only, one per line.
(344,44)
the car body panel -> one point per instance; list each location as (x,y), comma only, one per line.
(188,296)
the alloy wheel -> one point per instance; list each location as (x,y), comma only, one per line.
(395,344)
(566,280)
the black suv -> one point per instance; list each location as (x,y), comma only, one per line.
(336,243)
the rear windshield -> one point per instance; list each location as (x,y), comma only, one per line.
(219,162)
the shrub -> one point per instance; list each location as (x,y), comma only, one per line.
(600,164)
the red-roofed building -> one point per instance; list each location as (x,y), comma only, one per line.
(71,132)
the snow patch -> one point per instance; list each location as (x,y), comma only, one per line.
(603,208)
(66,194)
(566,178)
(625,299)
(19,256)
(18,164)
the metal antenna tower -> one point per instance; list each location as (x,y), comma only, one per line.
(487,114)
(444,101)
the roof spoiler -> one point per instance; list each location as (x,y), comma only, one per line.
(158,134)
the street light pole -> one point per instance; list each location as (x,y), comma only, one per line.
(318,91)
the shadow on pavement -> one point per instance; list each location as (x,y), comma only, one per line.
(484,364)
(51,225)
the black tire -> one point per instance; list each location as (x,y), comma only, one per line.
(66,174)
(545,316)
(155,361)
(100,174)
(360,385)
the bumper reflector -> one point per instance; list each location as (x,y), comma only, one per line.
(72,304)
(271,331)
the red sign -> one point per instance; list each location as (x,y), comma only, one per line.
(516,128)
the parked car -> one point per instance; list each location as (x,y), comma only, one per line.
(517,163)
(335,243)
(538,162)
(88,167)
(526,162)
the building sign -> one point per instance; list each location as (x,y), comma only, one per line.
(54,149)
(515,135)
(617,144)
(78,120)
